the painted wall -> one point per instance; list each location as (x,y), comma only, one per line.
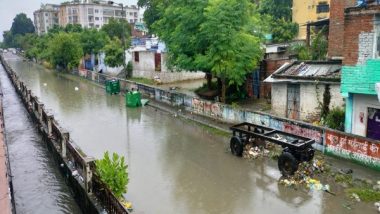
(361,103)
(279,98)
(309,96)
(348,146)
(145,67)
(305,11)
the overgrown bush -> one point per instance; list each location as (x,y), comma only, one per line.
(113,172)
(335,119)
(129,69)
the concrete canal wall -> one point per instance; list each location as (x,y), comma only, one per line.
(89,191)
(7,203)
(332,142)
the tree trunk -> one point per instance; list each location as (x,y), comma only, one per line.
(224,88)
(209,79)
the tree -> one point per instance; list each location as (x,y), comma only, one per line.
(278,9)
(278,15)
(152,12)
(8,39)
(93,40)
(233,50)
(118,28)
(22,25)
(316,51)
(65,50)
(114,53)
(113,172)
(73,28)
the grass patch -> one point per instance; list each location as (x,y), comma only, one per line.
(347,179)
(142,80)
(365,194)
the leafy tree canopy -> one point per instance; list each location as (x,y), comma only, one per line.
(118,28)
(22,25)
(65,50)
(114,53)
(152,12)
(93,40)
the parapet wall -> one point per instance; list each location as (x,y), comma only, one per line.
(362,150)
(78,168)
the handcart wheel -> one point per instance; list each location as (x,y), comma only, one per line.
(236,146)
(287,164)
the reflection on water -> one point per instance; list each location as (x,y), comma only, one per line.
(38,185)
(174,167)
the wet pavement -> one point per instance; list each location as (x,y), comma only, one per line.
(174,166)
(38,185)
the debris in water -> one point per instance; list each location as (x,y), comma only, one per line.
(355,196)
(76,88)
(45,84)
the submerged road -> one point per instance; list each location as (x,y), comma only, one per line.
(174,167)
(38,185)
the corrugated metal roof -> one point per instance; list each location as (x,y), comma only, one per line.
(311,69)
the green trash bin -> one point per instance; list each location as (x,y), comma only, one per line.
(133,99)
(113,86)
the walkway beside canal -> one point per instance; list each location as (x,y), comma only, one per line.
(5,188)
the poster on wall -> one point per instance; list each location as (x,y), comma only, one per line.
(373,123)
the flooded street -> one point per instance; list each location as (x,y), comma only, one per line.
(174,166)
(38,185)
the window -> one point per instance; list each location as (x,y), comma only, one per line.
(377,36)
(97,18)
(323,7)
(131,14)
(137,57)
(97,26)
(96,11)
(46,14)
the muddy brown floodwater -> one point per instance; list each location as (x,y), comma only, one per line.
(174,166)
(38,185)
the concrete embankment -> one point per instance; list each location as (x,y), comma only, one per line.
(89,191)
(6,195)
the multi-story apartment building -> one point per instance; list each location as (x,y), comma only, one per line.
(306,11)
(94,14)
(46,17)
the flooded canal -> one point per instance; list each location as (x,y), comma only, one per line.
(38,185)
(174,167)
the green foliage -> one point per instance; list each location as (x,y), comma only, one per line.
(319,46)
(129,69)
(22,25)
(65,50)
(114,53)
(326,101)
(316,51)
(93,40)
(277,14)
(365,194)
(278,9)
(335,119)
(73,28)
(119,29)
(302,51)
(233,50)
(113,172)
(152,12)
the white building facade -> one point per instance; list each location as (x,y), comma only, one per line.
(45,18)
(95,14)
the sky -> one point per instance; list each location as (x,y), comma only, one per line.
(10,8)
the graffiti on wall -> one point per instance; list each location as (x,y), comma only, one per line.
(354,148)
(207,107)
(304,132)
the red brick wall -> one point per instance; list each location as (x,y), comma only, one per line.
(353,26)
(336,28)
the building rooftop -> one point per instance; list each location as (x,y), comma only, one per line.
(307,71)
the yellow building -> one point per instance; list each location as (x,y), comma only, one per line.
(305,11)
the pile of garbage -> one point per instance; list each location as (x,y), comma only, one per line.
(254,151)
(305,174)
